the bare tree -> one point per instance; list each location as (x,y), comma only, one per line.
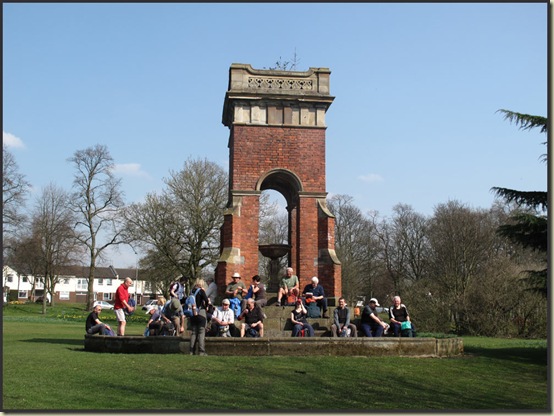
(97,199)
(183,223)
(354,245)
(53,226)
(14,192)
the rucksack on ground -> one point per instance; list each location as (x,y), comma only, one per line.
(190,301)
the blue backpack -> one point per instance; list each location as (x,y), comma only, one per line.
(190,301)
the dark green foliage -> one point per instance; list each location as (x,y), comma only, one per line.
(529,230)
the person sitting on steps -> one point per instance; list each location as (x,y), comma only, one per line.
(316,292)
(298,319)
(341,320)
(253,318)
(289,286)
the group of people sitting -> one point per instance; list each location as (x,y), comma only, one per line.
(245,305)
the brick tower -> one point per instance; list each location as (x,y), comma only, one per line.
(277,141)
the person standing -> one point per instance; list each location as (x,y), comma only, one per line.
(199,318)
(121,303)
(371,324)
(93,324)
(289,286)
(211,291)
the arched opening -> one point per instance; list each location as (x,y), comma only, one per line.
(279,192)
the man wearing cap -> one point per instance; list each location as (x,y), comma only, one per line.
(314,292)
(173,311)
(371,324)
(223,321)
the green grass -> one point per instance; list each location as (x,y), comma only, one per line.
(46,368)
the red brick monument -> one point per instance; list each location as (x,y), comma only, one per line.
(277,141)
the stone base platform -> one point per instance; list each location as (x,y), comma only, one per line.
(282,346)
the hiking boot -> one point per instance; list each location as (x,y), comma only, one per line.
(202,353)
(278,304)
(325,315)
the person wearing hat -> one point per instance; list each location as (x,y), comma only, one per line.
(236,288)
(371,324)
(234,292)
(173,311)
(155,323)
(223,320)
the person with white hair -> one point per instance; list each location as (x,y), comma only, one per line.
(400,321)
(315,292)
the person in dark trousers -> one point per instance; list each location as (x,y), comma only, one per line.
(198,319)
(93,324)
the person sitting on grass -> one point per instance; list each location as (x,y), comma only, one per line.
(298,318)
(94,325)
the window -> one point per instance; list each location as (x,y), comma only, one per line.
(10,278)
(100,282)
(22,294)
(109,282)
(64,295)
(25,279)
(66,281)
(108,296)
(82,284)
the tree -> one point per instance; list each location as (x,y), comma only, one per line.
(355,244)
(14,192)
(52,226)
(97,199)
(462,243)
(528,227)
(182,224)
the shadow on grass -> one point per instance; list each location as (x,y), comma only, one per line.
(56,341)
(537,356)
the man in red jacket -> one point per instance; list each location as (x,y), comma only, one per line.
(122,302)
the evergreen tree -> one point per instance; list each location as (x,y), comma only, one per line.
(528,227)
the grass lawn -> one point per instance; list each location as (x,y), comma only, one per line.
(46,368)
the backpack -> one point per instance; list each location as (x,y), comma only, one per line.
(252,333)
(189,303)
(313,310)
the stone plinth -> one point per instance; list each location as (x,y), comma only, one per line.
(282,346)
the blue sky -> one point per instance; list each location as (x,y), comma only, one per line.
(417,88)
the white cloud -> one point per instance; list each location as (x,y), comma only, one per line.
(9,140)
(371,178)
(130,169)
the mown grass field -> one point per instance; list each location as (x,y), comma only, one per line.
(46,368)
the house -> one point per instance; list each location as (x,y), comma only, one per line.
(73,286)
